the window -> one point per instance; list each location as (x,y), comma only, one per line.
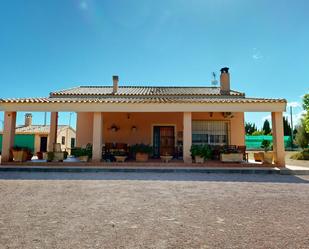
(210,132)
(63,140)
(72,142)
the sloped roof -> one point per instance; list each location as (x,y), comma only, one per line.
(144,100)
(141,91)
(38,129)
(143,95)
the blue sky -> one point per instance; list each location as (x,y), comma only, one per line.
(56,44)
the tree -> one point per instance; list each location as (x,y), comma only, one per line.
(306,122)
(306,108)
(286,127)
(302,137)
(257,133)
(266,127)
(306,102)
(250,128)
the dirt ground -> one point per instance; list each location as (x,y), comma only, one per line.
(149,210)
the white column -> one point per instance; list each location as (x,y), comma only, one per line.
(53,130)
(97,137)
(278,139)
(8,135)
(187,136)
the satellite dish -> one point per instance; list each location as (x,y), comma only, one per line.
(214,82)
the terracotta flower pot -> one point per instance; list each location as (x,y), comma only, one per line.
(19,155)
(83,158)
(258,156)
(141,157)
(39,155)
(268,157)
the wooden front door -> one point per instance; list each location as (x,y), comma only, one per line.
(163,140)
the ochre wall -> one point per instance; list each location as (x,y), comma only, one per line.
(84,126)
(238,129)
(144,123)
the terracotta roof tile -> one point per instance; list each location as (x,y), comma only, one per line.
(143,99)
(141,91)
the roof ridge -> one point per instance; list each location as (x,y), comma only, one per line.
(141,86)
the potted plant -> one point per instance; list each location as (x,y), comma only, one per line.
(120,156)
(231,155)
(166,157)
(39,154)
(268,155)
(29,154)
(50,156)
(141,152)
(258,156)
(20,154)
(82,154)
(200,152)
(56,156)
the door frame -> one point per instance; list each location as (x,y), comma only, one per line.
(164,124)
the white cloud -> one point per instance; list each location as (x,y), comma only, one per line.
(83,5)
(257,55)
(294,104)
(297,116)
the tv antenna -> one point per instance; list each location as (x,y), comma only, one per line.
(214,81)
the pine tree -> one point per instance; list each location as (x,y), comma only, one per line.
(250,128)
(286,127)
(266,127)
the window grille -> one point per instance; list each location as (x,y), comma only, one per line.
(210,132)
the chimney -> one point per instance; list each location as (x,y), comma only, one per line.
(28,119)
(225,81)
(115,83)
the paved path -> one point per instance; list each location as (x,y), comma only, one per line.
(148,210)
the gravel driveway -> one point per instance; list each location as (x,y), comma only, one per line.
(148,210)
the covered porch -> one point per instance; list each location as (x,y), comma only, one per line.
(170,133)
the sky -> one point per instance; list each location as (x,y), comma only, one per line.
(57,44)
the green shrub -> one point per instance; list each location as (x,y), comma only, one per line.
(266,145)
(50,156)
(202,150)
(257,133)
(303,155)
(141,148)
(78,151)
(119,153)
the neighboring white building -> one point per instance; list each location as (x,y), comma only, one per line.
(66,135)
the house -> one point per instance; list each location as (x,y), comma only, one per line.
(165,117)
(36,137)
